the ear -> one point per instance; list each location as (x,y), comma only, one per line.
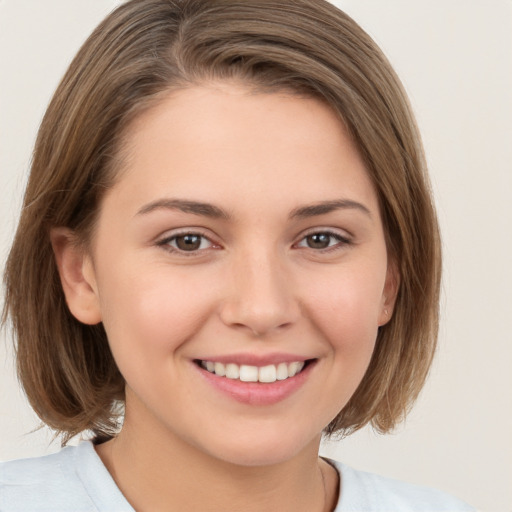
(389,294)
(77,276)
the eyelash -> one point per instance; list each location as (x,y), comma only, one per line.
(343,241)
(165,243)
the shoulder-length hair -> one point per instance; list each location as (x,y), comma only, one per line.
(140,52)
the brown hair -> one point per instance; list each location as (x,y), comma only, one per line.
(141,51)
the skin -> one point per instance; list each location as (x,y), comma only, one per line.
(255,285)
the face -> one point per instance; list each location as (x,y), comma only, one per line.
(243,237)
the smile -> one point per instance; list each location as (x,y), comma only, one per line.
(247,373)
(253,382)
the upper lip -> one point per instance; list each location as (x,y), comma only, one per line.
(255,359)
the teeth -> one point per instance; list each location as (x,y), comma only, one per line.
(282,371)
(219,369)
(232,371)
(267,373)
(294,368)
(247,373)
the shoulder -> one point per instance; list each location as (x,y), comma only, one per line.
(72,479)
(43,483)
(374,493)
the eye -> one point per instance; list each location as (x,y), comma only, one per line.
(186,242)
(323,240)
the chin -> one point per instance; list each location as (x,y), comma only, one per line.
(263,448)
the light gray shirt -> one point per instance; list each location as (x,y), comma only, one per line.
(75,480)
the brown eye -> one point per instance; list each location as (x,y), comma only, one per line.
(188,242)
(324,240)
(319,240)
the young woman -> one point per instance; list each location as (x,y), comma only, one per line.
(227,249)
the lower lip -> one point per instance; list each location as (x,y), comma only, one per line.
(257,393)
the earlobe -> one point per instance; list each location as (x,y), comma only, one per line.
(390,293)
(77,276)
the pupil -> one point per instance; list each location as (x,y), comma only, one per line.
(319,240)
(188,242)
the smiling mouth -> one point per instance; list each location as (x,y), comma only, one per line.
(247,373)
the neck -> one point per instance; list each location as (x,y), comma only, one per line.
(161,473)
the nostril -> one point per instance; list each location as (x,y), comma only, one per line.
(260,307)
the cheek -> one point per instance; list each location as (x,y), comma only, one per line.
(149,315)
(344,310)
(345,307)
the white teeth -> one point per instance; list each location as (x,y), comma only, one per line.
(247,373)
(267,373)
(232,371)
(220,369)
(282,371)
(294,368)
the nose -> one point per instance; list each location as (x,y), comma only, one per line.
(261,297)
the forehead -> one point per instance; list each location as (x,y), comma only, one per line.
(225,141)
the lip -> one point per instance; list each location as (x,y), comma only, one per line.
(257,393)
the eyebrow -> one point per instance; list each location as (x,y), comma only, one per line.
(215,212)
(194,207)
(324,207)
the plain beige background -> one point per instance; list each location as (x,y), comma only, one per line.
(455,58)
